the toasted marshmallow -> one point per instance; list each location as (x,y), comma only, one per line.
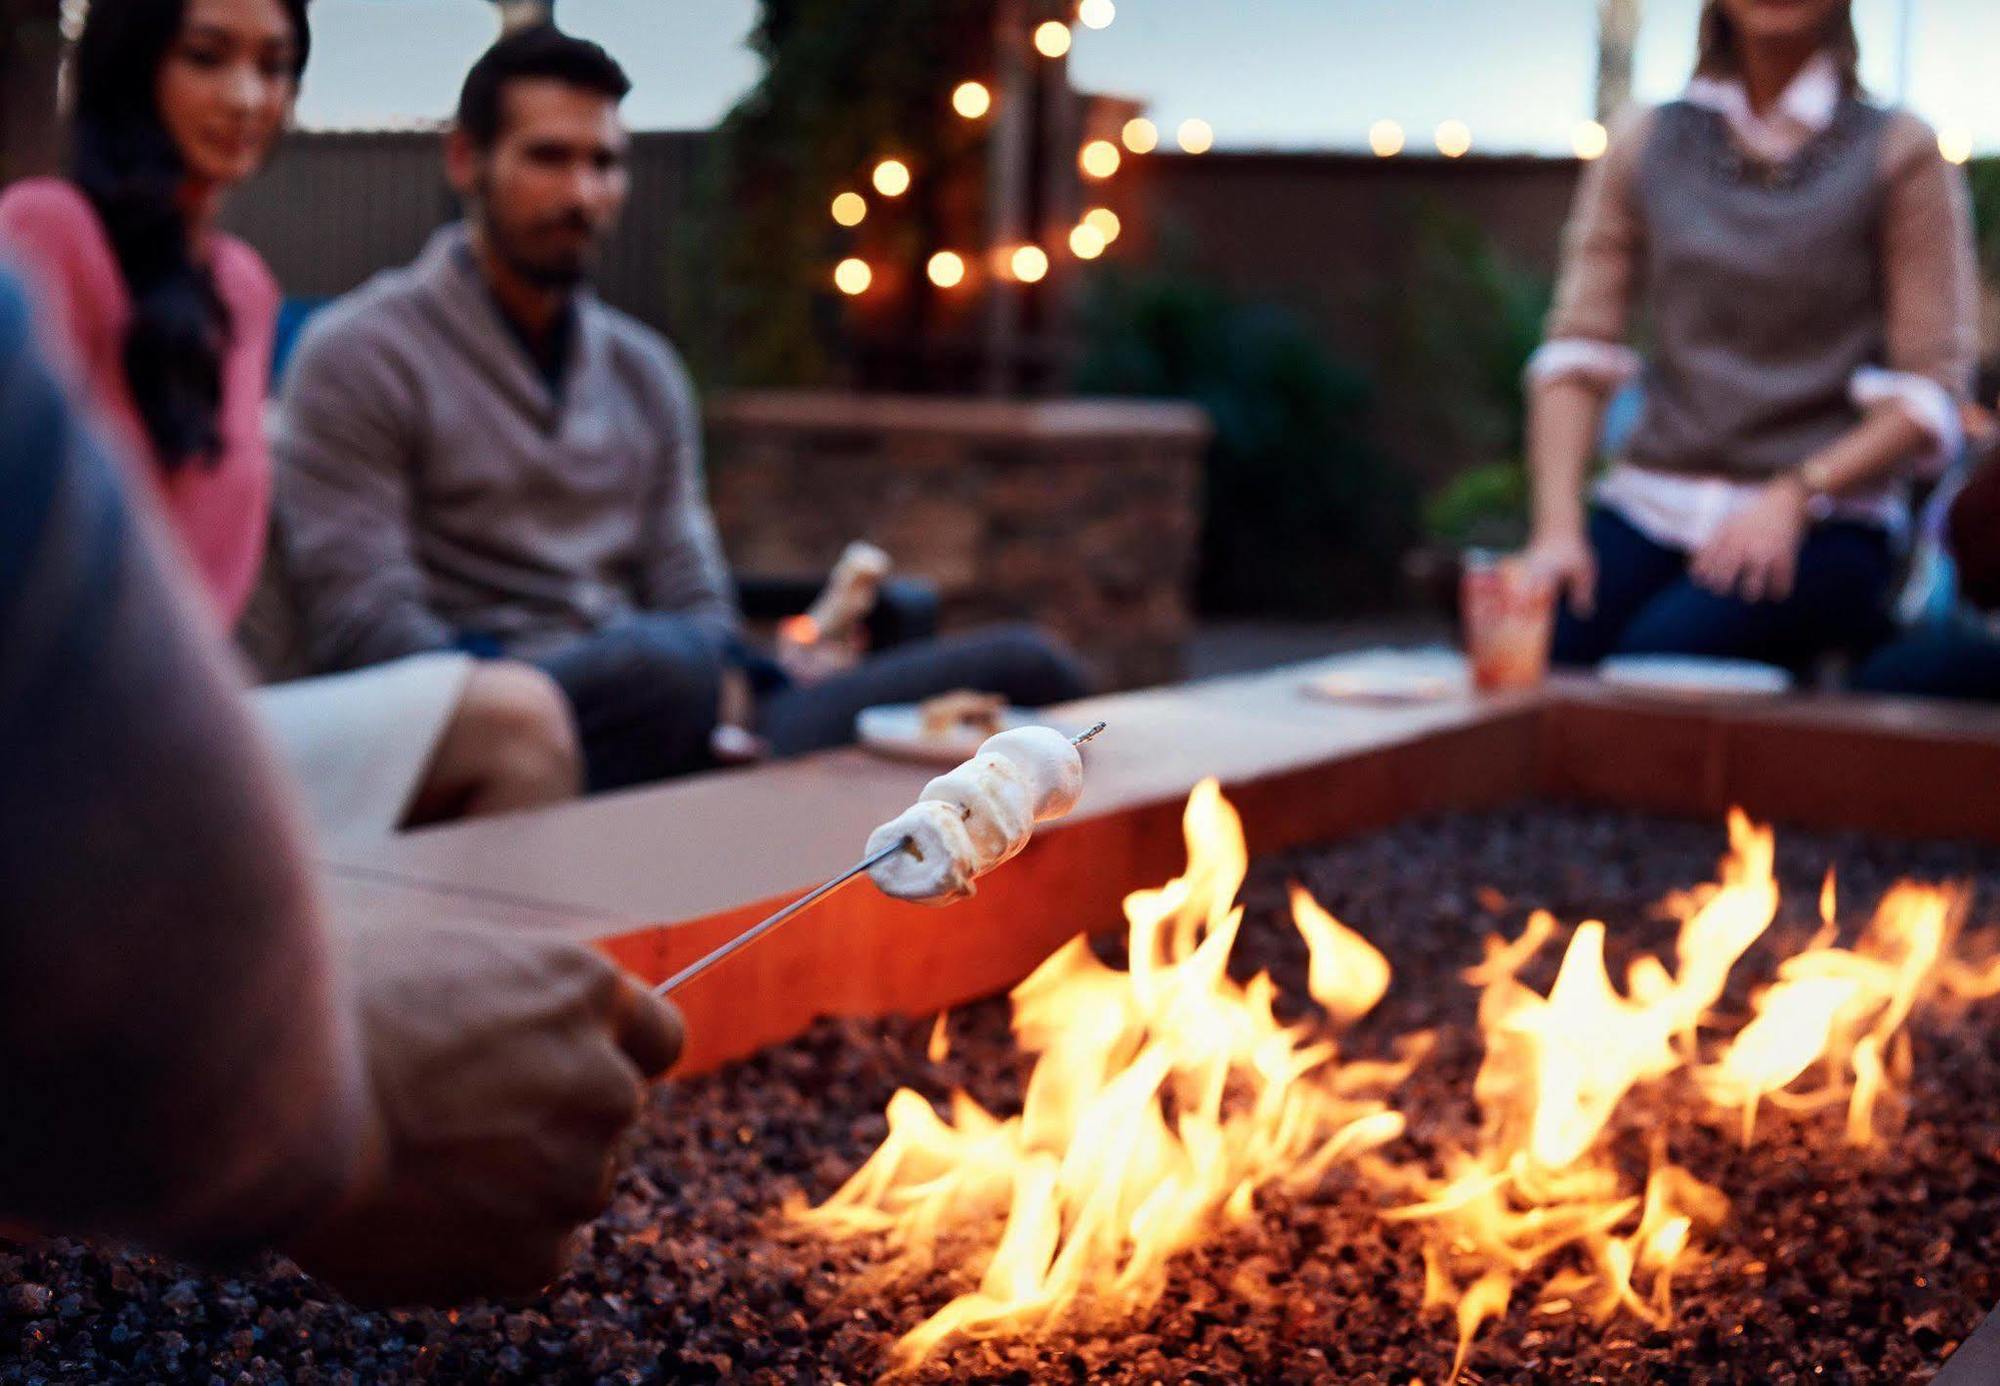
(935,867)
(982,814)
(1049,761)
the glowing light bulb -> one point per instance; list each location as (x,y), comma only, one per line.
(1590,140)
(1955,143)
(1454,139)
(1104,222)
(1052,39)
(1196,137)
(1386,138)
(946,269)
(1086,242)
(971,99)
(1098,159)
(850,209)
(1141,136)
(1029,263)
(892,178)
(1096,14)
(852,276)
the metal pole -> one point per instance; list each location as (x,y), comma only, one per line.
(524,14)
(1904,45)
(1007,173)
(1617,40)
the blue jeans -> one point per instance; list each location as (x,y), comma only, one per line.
(1953,658)
(1647,603)
(645,689)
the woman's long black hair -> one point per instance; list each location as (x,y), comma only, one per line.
(129,167)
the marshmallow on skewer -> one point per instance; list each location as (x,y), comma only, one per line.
(969,821)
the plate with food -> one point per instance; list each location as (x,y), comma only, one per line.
(1690,677)
(943,730)
(1392,676)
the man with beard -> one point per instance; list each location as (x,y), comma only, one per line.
(477,453)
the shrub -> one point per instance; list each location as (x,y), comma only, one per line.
(1303,517)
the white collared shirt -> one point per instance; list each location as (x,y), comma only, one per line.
(1684,512)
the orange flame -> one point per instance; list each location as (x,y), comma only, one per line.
(1164,1099)
(1838,1009)
(1557,1068)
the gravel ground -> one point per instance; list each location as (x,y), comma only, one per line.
(1835,1266)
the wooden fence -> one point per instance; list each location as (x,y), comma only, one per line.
(334,208)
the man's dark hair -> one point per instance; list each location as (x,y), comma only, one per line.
(541,51)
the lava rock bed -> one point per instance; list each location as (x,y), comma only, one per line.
(1836,1265)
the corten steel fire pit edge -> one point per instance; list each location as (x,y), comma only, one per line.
(1883,766)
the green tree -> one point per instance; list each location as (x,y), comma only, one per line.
(1985,176)
(1303,516)
(30,53)
(846,84)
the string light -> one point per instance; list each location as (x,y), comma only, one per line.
(1104,222)
(1196,137)
(892,178)
(852,276)
(1454,139)
(850,209)
(1955,143)
(1386,138)
(946,269)
(1590,140)
(1098,159)
(971,99)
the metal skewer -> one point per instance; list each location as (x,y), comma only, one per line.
(803,903)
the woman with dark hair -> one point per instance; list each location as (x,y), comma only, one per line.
(166,326)
(1803,263)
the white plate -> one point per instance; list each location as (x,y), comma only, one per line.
(896,730)
(1393,676)
(1690,676)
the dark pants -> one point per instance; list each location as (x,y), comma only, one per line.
(1955,658)
(645,691)
(1647,603)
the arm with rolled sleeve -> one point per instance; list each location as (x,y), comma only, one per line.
(683,570)
(1586,356)
(1590,324)
(345,456)
(1930,292)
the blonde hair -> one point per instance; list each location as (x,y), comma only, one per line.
(1719,50)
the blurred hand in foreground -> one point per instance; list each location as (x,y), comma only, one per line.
(504,1068)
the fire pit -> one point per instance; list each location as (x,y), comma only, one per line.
(1832,1260)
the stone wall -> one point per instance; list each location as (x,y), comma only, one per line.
(1080,515)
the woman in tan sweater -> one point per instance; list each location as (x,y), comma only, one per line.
(1801,263)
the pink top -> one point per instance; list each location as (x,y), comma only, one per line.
(220,511)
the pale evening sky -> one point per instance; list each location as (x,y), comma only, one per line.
(1292,74)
